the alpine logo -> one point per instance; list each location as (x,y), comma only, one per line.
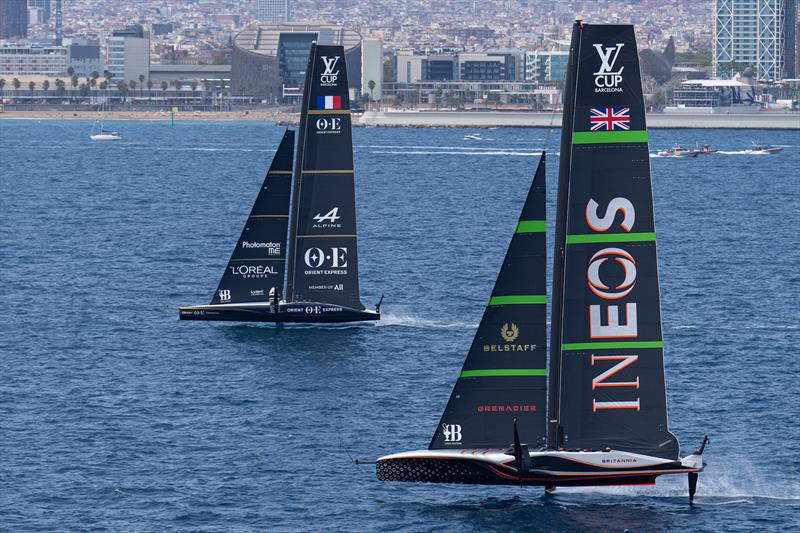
(329,78)
(224,295)
(328,220)
(606,79)
(328,125)
(452,433)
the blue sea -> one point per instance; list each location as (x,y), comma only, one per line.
(115,415)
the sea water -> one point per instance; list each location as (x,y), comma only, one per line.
(116,415)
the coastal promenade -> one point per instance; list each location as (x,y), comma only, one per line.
(489,119)
(440,119)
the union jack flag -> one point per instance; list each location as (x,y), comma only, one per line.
(610,118)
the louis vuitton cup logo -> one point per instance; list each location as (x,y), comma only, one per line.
(329,76)
(606,79)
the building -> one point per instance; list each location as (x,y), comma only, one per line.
(26,60)
(13,19)
(791,65)
(731,95)
(269,60)
(128,54)
(44,9)
(372,67)
(85,59)
(413,67)
(546,66)
(750,33)
(272,11)
(211,76)
(487,67)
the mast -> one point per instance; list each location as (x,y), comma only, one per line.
(323,255)
(504,375)
(257,262)
(607,359)
(553,438)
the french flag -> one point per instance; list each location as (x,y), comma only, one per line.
(329,102)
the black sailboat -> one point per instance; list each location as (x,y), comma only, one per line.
(606,418)
(321,266)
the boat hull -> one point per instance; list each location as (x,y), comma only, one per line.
(547,468)
(106,137)
(297,312)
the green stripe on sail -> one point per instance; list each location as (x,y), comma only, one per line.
(609,137)
(531,226)
(494,372)
(521,299)
(611,237)
(610,345)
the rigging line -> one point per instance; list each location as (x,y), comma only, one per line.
(553,115)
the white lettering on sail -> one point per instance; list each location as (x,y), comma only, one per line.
(316,257)
(613,329)
(624,361)
(328,77)
(597,286)
(596,406)
(606,79)
(604,223)
(452,433)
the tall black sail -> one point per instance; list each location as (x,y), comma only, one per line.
(606,345)
(504,375)
(257,262)
(323,260)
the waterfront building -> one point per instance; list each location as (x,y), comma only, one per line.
(13,19)
(269,60)
(709,95)
(546,66)
(372,67)
(85,58)
(211,76)
(129,54)
(750,33)
(487,67)
(44,9)
(272,11)
(413,67)
(27,60)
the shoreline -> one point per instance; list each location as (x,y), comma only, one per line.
(437,119)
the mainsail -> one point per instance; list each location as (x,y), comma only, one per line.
(323,259)
(607,361)
(504,376)
(257,262)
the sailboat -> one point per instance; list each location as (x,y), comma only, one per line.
(103,134)
(598,414)
(318,257)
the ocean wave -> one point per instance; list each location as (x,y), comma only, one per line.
(412,321)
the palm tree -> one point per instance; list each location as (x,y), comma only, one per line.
(107,75)
(2,83)
(31,85)
(60,85)
(16,83)
(149,85)
(46,85)
(74,82)
(164,87)
(132,85)
(103,85)
(371,85)
(71,71)
(141,83)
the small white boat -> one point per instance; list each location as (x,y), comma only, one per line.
(473,137)
(103,134)
(106,135)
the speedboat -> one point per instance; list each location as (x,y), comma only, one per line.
(764,149)
(106,135)
(678,151)
(706,150)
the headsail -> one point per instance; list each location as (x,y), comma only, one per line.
(606,346)
(257,262)
(323,260)
(504,375)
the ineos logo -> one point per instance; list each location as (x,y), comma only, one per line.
(329,78)
(329,124)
